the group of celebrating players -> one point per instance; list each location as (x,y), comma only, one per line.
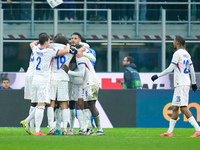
(61,72)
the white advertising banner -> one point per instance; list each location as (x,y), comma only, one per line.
(107,80)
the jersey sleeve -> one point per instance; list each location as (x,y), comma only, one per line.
(175,58)
(89,55)
(80,72)
(192,73)
(167,71)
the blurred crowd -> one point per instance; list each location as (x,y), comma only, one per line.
(123,12)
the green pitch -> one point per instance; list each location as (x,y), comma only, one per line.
(116,138)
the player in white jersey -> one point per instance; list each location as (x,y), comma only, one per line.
(76,86)
(182,65)
(28,92)
(59,84)
(90,90)
(41,78)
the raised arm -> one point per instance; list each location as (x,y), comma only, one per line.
(35,43)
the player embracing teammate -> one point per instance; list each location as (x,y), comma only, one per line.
(49,81)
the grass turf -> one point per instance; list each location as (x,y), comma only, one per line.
(116,138)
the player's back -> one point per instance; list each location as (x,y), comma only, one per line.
(43,58)
(57,73)
(181,73)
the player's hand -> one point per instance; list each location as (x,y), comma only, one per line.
(73,51)
(79,54)
(194,87)
(65,68)
(78,45)
(154,77)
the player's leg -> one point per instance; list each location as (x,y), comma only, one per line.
(96,116)
(63,97)
(50,117)
(87,119)
(63,106)
(32,122)
(25,123)
(191,120)
(50,109)
(79,107)
(39,114)
(72,116)
(71,108)
(58,119)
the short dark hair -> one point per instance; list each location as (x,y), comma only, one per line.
(129,58)
(180,40)
(5,78)
(79,35)
(60,38)
(43,37)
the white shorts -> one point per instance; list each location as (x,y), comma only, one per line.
(77,91)
(91,92)
(59,90)
(181,96)
(28,87)
(40,92)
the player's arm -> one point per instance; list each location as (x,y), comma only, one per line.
(35,43)
(193,77)
(192,73)
(64,51)
(84,44)
(171,67)
(78,73)
(87,54)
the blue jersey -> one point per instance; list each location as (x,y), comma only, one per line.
(94,53)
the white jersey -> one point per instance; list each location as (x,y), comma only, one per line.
(57,73)
(86,71)
(182,60)
(43,59)
(31,67)
(90,77)
(77,79)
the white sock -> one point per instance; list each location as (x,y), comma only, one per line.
(172,123)
(50,116)
(72,118)
(80,118)
(58,118)
(85,120)
(98,123)
(39,113)
(31,116)
(32,122)
(193,122)
(65,119)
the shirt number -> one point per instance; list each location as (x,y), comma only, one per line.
(39,61)
(60,60)
(186,63)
